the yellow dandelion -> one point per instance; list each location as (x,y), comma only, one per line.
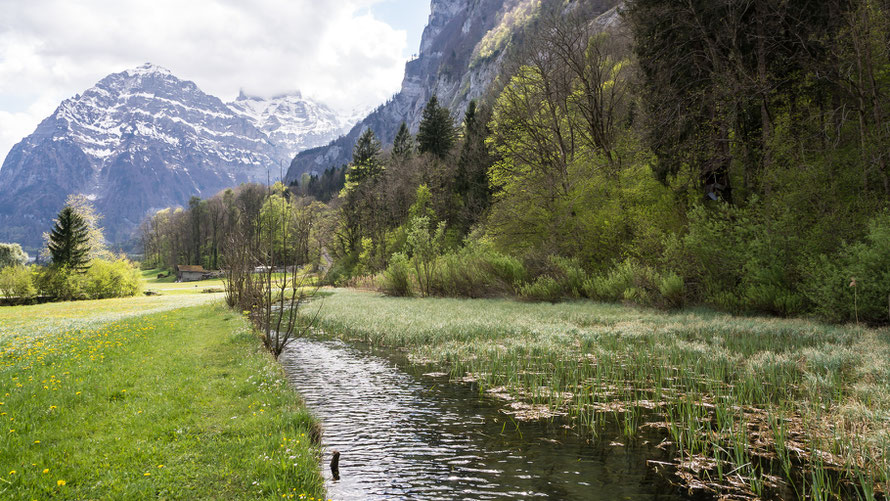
(12,472)
(60,483)
(160,466)
(45,471)
(146,474)
(37,441)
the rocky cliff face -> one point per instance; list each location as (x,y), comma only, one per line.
(460,54)
(142,140)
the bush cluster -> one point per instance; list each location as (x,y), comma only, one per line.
(728,259)
(474,270)
(854,283)
(17,283)
(101,280)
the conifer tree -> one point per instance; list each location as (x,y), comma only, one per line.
(365,158)
(69,240)
(403,145)
(436,134)
(471,178)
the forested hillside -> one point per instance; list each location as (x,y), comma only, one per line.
(733,154)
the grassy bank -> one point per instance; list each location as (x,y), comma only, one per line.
(752,405)
(103,401)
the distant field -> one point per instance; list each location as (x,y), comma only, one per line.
(743,395)
(169,286)
(50,318)
(156,397)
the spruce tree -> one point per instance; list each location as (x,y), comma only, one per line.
(69,240)
(403,145)
(365,158)
(436,134)
(471,178)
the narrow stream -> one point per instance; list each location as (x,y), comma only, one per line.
(408,436)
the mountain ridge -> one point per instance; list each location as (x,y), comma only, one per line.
(140,140)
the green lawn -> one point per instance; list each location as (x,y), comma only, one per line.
(734,393)
(166,397)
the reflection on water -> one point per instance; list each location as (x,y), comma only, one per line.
(404,436)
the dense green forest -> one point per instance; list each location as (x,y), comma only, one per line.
(732,154)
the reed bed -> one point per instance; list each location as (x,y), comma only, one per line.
(752,407)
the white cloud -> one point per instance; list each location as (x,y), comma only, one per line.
(336,52)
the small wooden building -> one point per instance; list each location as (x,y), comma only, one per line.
(188,273)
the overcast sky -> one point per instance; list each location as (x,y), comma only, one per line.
(345,53)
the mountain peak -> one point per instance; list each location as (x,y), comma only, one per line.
(293,123)
(242,96)
(149,69)
(294,94)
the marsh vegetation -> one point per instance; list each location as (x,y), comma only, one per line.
(752,406)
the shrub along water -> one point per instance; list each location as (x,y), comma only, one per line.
(728,260)
(854,283)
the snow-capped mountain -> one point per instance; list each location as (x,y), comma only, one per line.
(142,140)
(291,122)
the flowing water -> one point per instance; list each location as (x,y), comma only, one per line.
(405,435)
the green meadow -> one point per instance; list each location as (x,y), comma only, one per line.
(161,397)
(751,405)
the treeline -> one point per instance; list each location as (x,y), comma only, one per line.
(244,216)
(263,236)
(324,187)
(732,154)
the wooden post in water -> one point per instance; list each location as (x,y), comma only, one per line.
(335,465)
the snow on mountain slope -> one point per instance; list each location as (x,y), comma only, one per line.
(291,122)
(142,140)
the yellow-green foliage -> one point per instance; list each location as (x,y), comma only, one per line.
(397,277)
(182,404)
(477,270)
(107,279)
(17,282)
(102,279)
(496,39)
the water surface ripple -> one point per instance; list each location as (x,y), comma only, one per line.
(414,437)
